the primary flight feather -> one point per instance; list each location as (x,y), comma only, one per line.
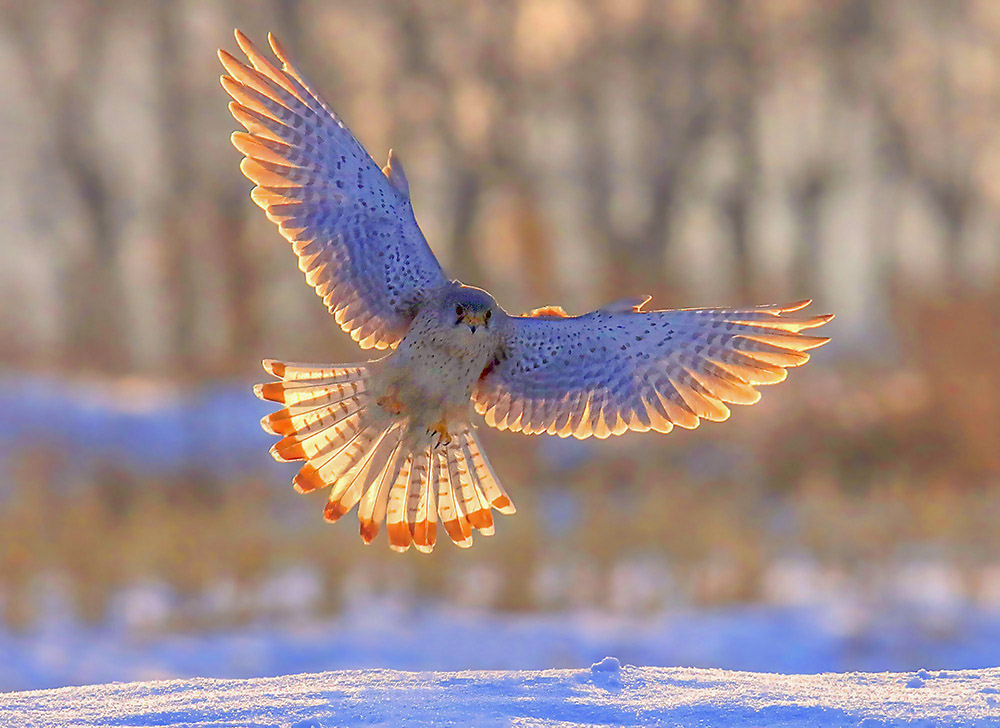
(394,436)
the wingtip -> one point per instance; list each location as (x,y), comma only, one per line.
(796,305)
(277,48)
(242,39)
(816,321)
(232,86)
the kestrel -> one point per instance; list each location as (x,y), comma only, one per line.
(394,436)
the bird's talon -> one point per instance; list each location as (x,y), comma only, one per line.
(443,436)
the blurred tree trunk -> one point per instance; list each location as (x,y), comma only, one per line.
(92,292)
(736,54)
(175,217)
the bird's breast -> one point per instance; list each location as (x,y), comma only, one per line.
(432,379)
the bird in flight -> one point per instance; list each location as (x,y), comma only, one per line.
(394,436)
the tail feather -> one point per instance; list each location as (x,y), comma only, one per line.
(452,516)
(470,498)
(377,461)
(345,470)
(323,439)
(408,506)
(382,470)
(397,510)
(319,472)
(488,480)
(301,419)
(422,517)
(293,371)
(305,394)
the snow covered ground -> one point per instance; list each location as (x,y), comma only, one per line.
(606,694)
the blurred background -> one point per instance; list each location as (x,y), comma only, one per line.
(707,152)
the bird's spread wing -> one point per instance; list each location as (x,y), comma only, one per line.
(350,223)
(621,368)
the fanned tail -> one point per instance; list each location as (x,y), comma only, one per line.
(452,483)
(375,460)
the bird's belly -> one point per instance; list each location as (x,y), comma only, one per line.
(428,386)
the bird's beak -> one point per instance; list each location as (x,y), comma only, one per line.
(475,321)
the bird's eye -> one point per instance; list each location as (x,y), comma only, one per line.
(459,310)
(489,314)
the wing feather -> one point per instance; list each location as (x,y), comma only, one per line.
(351,226)
(620,368)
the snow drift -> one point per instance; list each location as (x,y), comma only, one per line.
(605,694)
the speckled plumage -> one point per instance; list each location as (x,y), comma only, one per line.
(394,436)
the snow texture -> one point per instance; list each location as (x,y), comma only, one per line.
(606,694)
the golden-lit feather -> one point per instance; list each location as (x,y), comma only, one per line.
(622,368)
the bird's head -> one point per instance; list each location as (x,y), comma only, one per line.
(467,306)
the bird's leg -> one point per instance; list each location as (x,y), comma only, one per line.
(440,429)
